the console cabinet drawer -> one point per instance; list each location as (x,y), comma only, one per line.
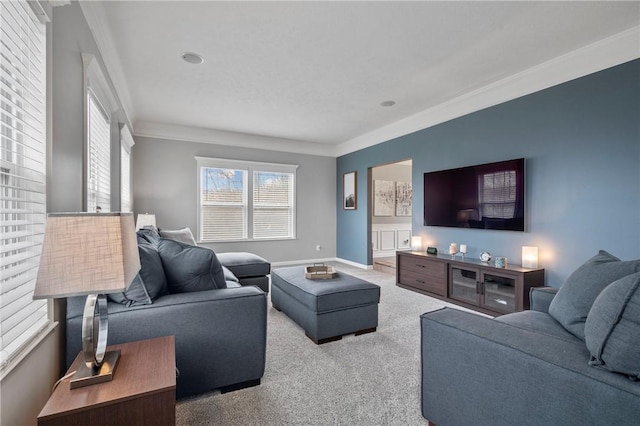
(425,274)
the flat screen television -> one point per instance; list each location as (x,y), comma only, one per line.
(486,196)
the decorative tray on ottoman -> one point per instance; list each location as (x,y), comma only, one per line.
(320,272)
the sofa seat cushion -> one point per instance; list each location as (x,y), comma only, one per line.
(571,305)
(612,330)
(244,264)
(538,322)
(190,268)
(344,292)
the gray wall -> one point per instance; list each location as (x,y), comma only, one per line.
(27,387)
(165,183)
(71,38)
(581,141)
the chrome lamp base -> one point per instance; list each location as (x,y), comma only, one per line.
(86,376)
(99,364)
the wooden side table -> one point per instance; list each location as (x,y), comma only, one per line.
(143,390)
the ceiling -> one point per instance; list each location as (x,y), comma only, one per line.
(315,73)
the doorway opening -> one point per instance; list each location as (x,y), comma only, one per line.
(390,213)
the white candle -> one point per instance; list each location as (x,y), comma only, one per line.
(453,248)
(463,248)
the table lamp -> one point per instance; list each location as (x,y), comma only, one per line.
(89,254)
(416,243)
(145,219)
(529,257)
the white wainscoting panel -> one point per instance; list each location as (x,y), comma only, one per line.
(404,239)
(387,238)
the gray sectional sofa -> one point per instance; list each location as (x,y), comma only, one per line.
(573,359)
(185,291)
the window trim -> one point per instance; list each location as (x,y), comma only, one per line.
(95,82)
(126,143)
(249,166)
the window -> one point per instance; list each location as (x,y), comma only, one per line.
(22,174)
(498,194)
(241,200)
(272,204)
(99,106)
(99,157)
(126,142)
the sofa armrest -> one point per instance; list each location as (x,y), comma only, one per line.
(476,370)
(541,298)
(220,334)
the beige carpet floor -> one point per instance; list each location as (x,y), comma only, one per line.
(372,379)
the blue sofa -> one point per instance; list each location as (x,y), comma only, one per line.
(219,325)
(570,360)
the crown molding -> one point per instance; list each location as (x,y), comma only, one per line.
(222,137)
(603,54)
(615,50)
(93,12)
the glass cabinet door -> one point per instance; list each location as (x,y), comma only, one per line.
(499,293)
(463,285)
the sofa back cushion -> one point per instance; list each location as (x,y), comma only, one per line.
(150,283)
(571,305)
(612,329)
(190,268)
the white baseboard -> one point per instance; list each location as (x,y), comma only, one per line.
(357,265)
(312,261)
(303,262)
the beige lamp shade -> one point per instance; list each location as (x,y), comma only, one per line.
(145,219)
(87,253)
(416,243)
(529,257)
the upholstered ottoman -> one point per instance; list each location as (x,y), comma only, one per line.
(326,309)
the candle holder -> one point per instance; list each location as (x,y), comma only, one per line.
(463,250)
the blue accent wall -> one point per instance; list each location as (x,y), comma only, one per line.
(581,142)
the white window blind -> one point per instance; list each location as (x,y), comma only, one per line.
(22,174)
(244,200)
(223,210)
(273,209)
(498,194)
(99,156)
(126,142)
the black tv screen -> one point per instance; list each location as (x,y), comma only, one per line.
(486,196)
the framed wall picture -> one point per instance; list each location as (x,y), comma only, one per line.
(404,196)
(349,191)
(383,198)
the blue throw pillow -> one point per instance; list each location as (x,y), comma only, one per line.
(571,305)
(612,329)
(190,268)
(150,283)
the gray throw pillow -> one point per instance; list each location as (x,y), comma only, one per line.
(612,329)
(190,268)
(571,305)
(183,235)
(150,283)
